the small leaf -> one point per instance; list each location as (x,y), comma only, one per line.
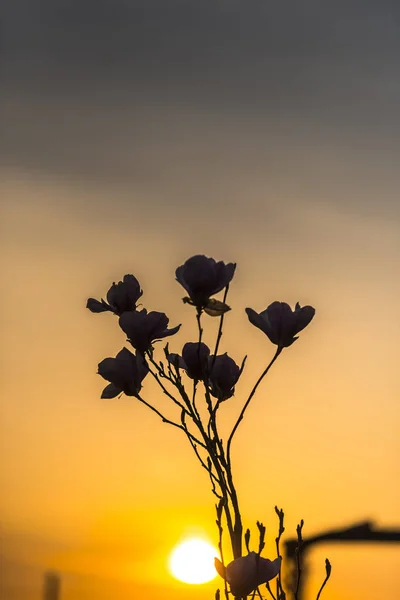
(216,308)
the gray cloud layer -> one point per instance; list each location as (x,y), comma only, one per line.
(154,91)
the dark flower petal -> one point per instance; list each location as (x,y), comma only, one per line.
(256,319)
(110,369)
(142,368)
(125,354)
(156,322)
(111,391)
(115,296)
(303,317)
(179,276)
(223,376)
(203,277)
(219,567)
(246,573)
(126,372)
(280,323)
(199,273)
(129,321)
(122,296)
(224,274)
(168,332)
(176,360)
(195,355)
(143,328)
(134,325)
(133,289)
(95,306)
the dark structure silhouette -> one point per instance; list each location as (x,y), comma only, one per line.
(52,586)
(361,532)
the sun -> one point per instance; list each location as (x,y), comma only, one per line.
(192,561)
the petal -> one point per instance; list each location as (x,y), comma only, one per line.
(219,567)
(303,317)
(114,293)
(169,332)
(199,272)
(130,321)
(141,368)
(225,275)
(109,369)
(254,318)
(125,354)
(267,569)
(155,323)
(195,355)
(282,320)
(111,391)
(278,312)
(241,574)
(261,321)
(179,276)
(95,306)
(191,352)
(176,360)
(132,287)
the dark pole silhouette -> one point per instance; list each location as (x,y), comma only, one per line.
(52,586)
(362,532)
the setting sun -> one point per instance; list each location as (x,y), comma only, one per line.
(192,561)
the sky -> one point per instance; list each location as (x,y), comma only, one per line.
(134,135)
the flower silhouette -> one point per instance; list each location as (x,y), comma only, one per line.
(245,574)
(121,297)
(203,277)
(143,328)
(194,360)
(125,372)
(223,375)
(280,323)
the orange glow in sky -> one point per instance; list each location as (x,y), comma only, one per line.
(135,135)
(102,489)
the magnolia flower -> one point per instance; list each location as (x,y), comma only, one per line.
(193,360)
(125,372)
(223,375)
(245,574)
(143,328)
(280,323)
(203,277)
(121,297)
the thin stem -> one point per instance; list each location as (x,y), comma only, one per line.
(253,391)
(280,593)
(220,531)
(162,386)
(270,591)
(328,567)
(238,528)
(165,420)
(213,478)
(298,553)
(194,400)
(198,319)
(219,334)
(213,455)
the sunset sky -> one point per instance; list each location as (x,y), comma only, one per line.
(135,134)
